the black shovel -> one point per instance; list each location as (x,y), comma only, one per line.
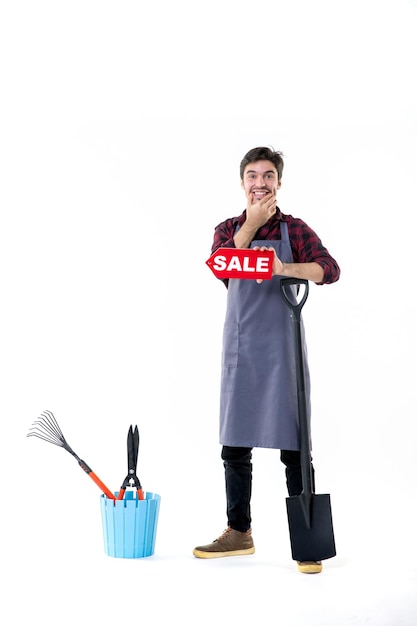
(309,515)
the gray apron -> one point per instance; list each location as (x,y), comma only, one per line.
(258,400)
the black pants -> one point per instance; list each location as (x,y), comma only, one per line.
(238,475)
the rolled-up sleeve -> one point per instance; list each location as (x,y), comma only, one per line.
(223,235)
(308,248)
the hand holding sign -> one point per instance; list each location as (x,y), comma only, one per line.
(277,264)
(242,263)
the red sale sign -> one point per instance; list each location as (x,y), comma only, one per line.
(241,263)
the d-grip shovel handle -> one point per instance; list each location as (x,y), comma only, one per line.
(295,312)
(295,308)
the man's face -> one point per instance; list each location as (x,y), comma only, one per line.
(259,179)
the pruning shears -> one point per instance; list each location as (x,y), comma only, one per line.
(131,479)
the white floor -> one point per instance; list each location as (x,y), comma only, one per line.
(71,587)
(56,571)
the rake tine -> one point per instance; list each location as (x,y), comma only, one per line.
(46,427)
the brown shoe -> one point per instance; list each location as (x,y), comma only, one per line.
(309,567)
(230,543)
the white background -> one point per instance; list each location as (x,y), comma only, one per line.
(122,128)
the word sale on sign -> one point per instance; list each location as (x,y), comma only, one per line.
(241,263)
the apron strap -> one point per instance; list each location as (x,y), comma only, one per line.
(284,231)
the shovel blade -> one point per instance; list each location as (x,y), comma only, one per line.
(311,527)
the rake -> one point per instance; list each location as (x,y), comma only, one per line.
(46,427)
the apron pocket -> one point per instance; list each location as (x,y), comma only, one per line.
(230,345)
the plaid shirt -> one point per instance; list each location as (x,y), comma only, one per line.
(305,244)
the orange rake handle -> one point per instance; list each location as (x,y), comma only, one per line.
(95,478)
(102,486)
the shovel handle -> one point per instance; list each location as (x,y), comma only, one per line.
(295,307)
(295,313)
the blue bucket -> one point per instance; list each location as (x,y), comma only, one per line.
(129,525)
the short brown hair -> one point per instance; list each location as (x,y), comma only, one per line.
(263,153)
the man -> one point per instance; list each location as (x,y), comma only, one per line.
(258,400)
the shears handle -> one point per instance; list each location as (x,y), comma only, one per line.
(121,494)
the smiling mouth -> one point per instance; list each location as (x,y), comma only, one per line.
(260,193)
